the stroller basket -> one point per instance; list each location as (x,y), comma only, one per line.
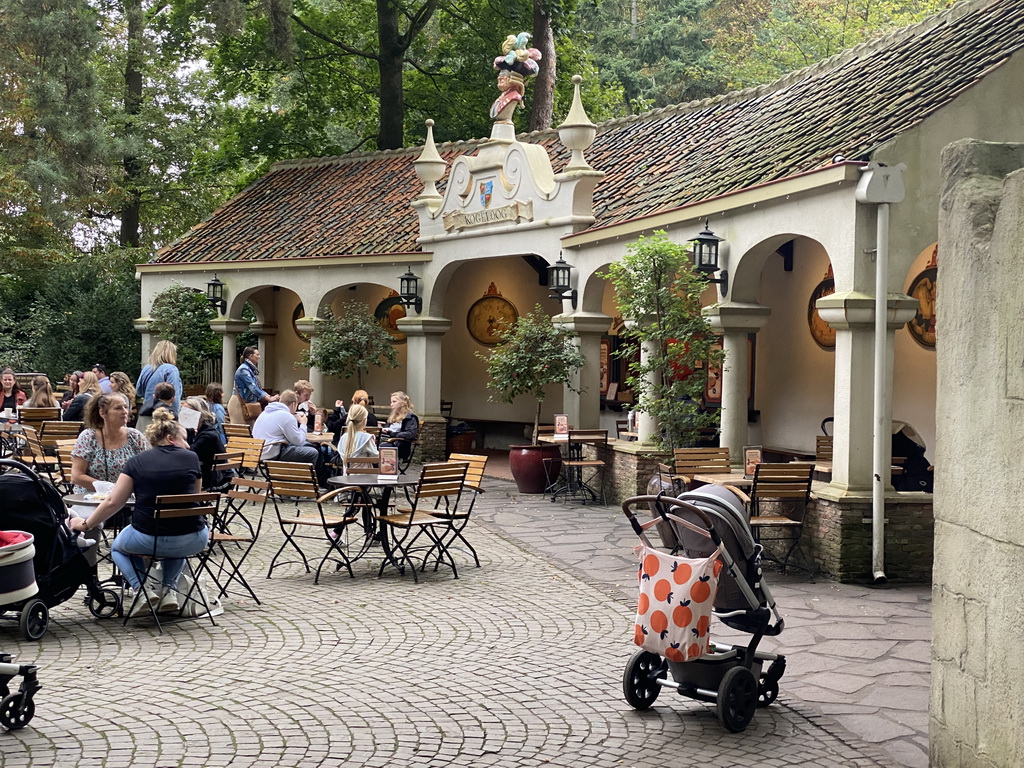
(736,678)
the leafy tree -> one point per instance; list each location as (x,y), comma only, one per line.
(83,314)
(656,285)
(182,315)
(531,354)
(756,41)
(348,343)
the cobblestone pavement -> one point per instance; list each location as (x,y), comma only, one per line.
(517,663)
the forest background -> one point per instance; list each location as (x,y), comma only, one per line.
(123,123)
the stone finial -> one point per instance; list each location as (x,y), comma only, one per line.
(430,167)
(577,132)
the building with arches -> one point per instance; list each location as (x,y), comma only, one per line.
(774,171)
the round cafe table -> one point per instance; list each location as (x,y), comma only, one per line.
(367,484)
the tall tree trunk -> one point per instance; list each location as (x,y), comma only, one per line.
(544,85)
(391,132)
(130,234)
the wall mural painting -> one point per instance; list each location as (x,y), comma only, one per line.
(923,288)
(388,313)
(824,335)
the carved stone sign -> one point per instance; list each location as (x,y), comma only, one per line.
(517,211)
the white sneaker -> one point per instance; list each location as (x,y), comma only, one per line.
(168,601)
(142,605)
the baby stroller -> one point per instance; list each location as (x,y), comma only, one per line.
(732,676)
(33,505)
(17,709)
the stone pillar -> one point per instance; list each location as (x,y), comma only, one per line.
(423,381)
(144,326)
(309,326)
(976,688)
(735,322)
(229,329)
(853,316)
(584,407)
(265,333)
(646,424)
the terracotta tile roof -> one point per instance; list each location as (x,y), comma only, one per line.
(849,104)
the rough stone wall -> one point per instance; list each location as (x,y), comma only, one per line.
(837,537)
(977,695)
(432,440)
(627,470)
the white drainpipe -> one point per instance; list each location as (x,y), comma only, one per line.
(880,185)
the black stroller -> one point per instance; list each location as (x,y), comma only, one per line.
(29,503)
(732,676)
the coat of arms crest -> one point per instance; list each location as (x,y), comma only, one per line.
(486,188)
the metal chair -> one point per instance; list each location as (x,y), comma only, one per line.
(295,483)
(580,485)
(471,488)
(236,430)
(438,491)
(778,503)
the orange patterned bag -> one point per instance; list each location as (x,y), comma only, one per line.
(674,610)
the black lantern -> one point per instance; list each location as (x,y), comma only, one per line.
(705,257)
(409,290)
(560,281)
(215,295)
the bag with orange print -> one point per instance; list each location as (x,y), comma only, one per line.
(674,610)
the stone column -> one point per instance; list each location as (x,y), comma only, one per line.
(584,407)
(646,424)
(265,333)
(735,322)
(143,325)
(229,329)
(309,326)
(852,314)
(423,381)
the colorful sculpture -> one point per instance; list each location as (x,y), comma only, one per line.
(516,63)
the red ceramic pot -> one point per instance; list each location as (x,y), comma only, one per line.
(533,465)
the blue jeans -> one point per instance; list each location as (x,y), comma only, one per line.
(130,544)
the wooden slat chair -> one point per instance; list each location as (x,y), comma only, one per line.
(823,448)
(232,533)
(236,430)
(295,483)
(472,487)
(33,454)
(579,484)
(53,431)
(175,507)
(34,417)
(777,503)
(688,462)
(251,449)
(439,490)
(64,448)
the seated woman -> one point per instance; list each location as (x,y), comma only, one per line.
(403,426)
(215,399)
(358,443)
(206,442)
(170,468)
(106,443)
(71,391)
(13,396)
(338,418)
(42,394)
(88,387)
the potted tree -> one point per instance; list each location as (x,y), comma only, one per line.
(532,354)
(348,343)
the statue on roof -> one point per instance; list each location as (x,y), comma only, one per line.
(516,63)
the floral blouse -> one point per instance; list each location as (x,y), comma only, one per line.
(104,464)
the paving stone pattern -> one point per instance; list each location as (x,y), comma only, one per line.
(517,663)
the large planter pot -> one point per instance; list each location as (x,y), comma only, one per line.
(532,465)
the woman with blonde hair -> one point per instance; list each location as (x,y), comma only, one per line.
(88,386)
(119,382)
(42,394)
(162,366)
(169,469)
(403,426)
(358,442)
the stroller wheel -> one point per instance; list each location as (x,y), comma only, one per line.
(767,692)
(35,617)
(737,699)
(104,603)
(639,680)
(16,711)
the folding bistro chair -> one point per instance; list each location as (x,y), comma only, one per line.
(687,462)
(64,459)
(579,484)
(34,417)
(33,454)
(439,484)
(233,534)
(778,503)
(294,482)
(176,507)
(53,431)
(471,488)
(236,430)
(251,449)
